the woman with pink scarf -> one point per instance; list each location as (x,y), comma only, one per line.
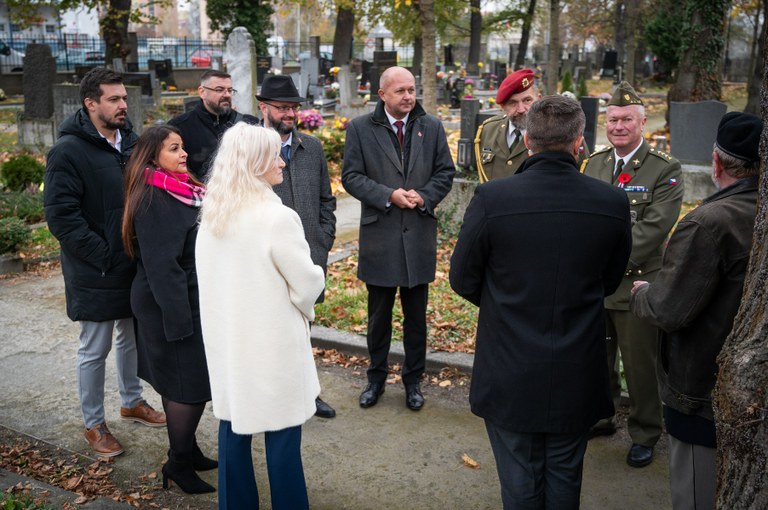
(162,202)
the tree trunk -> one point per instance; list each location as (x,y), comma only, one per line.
(342,36)
(741,395)
(698,76)
(619,38)
(526,34)
(428,66)
(553,67)
(475,33)
(756,76)
(114,29)
(632,14)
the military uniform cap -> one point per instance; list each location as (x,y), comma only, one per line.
(625,95)
(517,82)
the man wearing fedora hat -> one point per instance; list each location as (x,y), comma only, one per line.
(653,182)
(306,187)
(202,127)
(694,300)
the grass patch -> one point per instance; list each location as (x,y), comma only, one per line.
(41,246)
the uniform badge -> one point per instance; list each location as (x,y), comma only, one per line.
(487,155)
(623,179)
(673,182)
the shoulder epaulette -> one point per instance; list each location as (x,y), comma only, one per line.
(494,119)
(660,154)
(583,165)
(604,149)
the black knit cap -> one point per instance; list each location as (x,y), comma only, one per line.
(738,135)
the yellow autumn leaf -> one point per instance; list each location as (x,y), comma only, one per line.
(470,462)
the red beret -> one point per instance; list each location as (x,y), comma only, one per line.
(515,83)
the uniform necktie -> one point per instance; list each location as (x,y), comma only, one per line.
(619,166)
(285,152)
(399,126)
(515,139)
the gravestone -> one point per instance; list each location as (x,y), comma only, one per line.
(117,65)
(609,64)
(381,61)
(66,101)
(591,107)
(190,103)
(308,76)
(82,70)
(350,104)
(132,59)
(365,79)
(263,65)
(147,83)
(465,156)
(163,70)
(241,64)
(35,126)
(693,127)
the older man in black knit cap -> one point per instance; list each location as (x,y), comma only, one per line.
(694,300)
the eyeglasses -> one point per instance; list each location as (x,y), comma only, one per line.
(284,109)
(221,90)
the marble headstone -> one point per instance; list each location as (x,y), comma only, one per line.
(240,55)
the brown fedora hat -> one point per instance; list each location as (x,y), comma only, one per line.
(279,87)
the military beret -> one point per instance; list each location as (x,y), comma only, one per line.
(625,95)
(738,135)
(517,82)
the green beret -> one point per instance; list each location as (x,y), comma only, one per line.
(625,95)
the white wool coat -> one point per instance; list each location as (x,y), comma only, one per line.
(258,286)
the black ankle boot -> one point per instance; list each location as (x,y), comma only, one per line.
(180,469)
(200,461)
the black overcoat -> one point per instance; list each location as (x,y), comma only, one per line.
(397,246)
(84,211)
(165,300)
(537,252)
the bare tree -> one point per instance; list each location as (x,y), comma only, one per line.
(342,36)
(428,66)
(758,49)
(525,35)
(475,33)
(741,395)
(553,67)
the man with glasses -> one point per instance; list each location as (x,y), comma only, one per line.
(306,187)
(202,128)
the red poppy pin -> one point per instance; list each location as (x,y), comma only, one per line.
(623,179)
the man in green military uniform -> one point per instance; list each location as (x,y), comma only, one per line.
(654,186)
(499,147)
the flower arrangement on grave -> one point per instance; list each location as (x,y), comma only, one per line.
(468,83)
(310,120)
(341,123)
(333,71)
(493,80)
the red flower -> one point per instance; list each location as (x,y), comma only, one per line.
(624,178)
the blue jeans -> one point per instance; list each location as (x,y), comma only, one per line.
(95,344)
(237,482)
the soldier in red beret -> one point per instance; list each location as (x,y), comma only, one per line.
(499,147)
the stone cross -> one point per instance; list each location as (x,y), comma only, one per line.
(240,54)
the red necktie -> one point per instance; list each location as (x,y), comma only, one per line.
(399,126)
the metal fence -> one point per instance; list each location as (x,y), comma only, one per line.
(71,50)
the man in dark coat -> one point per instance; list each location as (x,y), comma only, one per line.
(202,128)
(694,300)
(84,209)
(397,163)
(306,186)
(537,252)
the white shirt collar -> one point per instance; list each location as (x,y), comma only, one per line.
(288,141)
(118,139)
(628,157)
(392,120)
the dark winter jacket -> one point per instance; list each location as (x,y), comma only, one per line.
(84,210)
(201,132)
(397,246)
(697,293)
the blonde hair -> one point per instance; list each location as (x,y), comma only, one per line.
(236,176)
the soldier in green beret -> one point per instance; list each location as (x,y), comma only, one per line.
(653,182)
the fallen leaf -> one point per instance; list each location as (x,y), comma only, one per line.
(470,462)
(445,384)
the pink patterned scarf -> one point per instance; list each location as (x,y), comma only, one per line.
(177,185)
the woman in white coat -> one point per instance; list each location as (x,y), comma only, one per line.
(257,286)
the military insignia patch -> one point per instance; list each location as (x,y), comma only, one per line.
(525,82)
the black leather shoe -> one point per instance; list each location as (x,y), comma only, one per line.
(323,410)
(370,394)
(639,455)
(601,431)
(413,397)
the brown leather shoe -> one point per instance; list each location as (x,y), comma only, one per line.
(144,414)
(102,441)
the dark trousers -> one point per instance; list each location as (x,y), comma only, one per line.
(237,482)
(538,471)
(414,303)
